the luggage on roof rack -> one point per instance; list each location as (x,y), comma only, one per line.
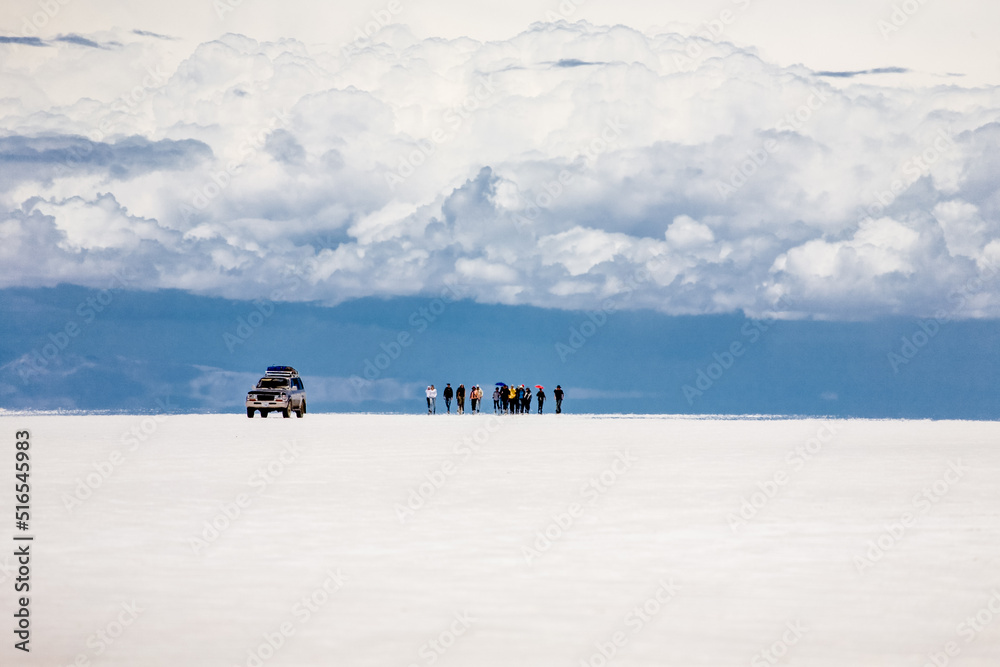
(280,390)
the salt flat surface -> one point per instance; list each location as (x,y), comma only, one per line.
(647,557)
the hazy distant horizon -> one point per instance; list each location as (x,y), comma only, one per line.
(146,349)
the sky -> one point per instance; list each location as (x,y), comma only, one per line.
(810,162)
(170,351)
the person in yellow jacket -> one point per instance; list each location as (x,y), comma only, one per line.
(512,398)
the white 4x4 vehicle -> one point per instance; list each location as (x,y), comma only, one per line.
(280,389)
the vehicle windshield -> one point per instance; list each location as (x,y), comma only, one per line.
(272,383)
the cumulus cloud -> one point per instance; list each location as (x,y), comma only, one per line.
(567,165)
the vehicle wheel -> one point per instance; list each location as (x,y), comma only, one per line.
(264,413)
(287,412)
(250,412)
(303,411)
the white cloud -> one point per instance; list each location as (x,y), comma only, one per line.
(475,270)
(965,231)
(878,247)
(565,165)
(684,232)
(579,250)
(100,224)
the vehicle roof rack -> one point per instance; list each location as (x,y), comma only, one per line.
(285,371)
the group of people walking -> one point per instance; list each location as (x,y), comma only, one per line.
(507,399)
(475,398)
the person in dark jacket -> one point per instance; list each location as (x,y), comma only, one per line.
(460,398)
(527,400)
(496,400)
(540,395)
(504,399)
(519,399)
(558,393)
(448,393)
